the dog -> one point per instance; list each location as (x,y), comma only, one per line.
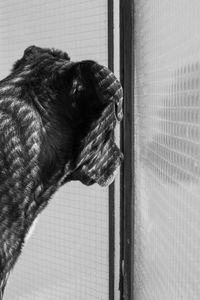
(57,119)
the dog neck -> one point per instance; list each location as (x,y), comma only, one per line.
(17,223)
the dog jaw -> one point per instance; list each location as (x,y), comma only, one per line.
(109,180)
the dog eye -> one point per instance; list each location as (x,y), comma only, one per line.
(77,88)
(80,89)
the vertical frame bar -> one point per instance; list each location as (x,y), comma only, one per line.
(127,145)
(112,186)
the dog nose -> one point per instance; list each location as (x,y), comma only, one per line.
(121,158)
(118,111)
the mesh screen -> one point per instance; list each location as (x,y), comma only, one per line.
(167,119)
(67,255)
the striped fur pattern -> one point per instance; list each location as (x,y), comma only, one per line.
(56,120)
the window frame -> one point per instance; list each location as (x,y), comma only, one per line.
(127,146)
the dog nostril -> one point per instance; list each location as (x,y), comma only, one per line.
(121,157)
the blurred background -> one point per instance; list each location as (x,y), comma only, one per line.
(167,150)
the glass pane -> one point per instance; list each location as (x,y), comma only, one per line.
(167,119)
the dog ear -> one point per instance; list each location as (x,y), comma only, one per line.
(31,50)
(95,86)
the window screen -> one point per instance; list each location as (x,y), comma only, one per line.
(67,255)
(167,119)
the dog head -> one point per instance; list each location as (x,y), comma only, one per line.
(98,104)
(84,104)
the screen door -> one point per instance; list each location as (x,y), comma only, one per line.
(67,256)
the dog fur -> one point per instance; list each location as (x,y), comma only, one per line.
(50,112)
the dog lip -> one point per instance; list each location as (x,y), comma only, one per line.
(106,181)
(88,183)
(109,180)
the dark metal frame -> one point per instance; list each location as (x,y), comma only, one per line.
(112,186)
(127,145)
